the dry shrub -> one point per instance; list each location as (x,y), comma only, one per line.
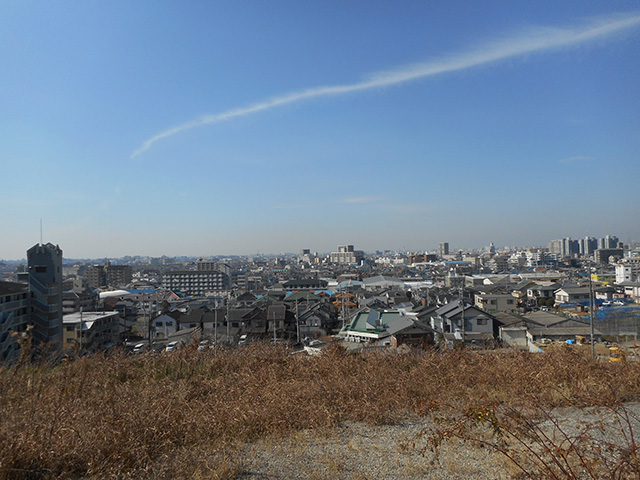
(172,415)
(594,443)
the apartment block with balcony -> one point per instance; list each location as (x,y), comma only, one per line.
(193,282)
(90,332)
(108,275)
(346,255)
(204,265)
(14,317)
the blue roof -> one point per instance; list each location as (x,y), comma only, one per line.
(328,292)
(142,291)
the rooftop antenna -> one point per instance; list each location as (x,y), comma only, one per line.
(40,231)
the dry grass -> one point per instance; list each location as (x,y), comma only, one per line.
(185,414)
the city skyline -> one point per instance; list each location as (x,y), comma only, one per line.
(566,246)
(159,129)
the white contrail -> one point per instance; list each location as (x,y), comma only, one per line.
(533,40)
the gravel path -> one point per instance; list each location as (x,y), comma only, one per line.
(367,452)
(358,451)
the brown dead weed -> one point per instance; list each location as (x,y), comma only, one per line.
(186,414)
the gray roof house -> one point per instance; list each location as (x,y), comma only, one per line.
(540,326)
(479,326)
(572,295)
(381,282)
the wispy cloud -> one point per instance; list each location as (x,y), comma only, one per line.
(577,159)
(529,41)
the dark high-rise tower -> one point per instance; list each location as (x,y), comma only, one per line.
(45,287)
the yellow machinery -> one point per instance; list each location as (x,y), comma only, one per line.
(615,354)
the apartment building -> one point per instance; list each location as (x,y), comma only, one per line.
(604,255)
(195,282)
(205,265)
(107,275)
(346,255)
(90,332)
(628,270)
(14,317)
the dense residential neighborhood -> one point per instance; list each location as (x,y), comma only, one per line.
(488,298)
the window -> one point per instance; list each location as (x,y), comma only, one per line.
(41,269)
(482,321)
(69,328)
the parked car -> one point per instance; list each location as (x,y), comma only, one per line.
(171,346)
(139,348)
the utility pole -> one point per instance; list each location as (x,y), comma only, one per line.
(591,315)
(81,322)
(273,319)
(144,309)
(228,322)
(462,312)
(297,322)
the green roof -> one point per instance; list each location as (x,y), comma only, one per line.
(359,322)
(302,296)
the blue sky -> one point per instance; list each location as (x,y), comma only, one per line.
(203,128)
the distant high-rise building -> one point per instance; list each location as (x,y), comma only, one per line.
(608,241)
(611,241)
(306,256)
(569,247)
(346,255)
(587,246)
(443,249)
(45,287)
(200,282)
(107,275)
(564,247)
(204,265)
(555,246)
